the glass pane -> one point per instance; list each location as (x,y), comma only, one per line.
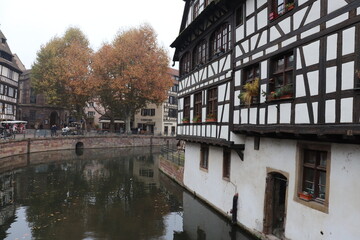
(257,72)
(310,156)
(322,185)
(323,159)
(280,64)
(279,80)
(288,76)
(290,61)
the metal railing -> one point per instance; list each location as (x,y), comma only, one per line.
(173,154)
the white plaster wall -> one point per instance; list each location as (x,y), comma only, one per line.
(335,5)
(330,111)
(347,76)
(331,50)
(330,79)
(248,179)
(343,219)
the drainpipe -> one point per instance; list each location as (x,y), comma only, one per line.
(234,209)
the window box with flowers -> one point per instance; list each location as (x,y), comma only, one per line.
(211,117)
(196,119)
(305,196)
(185,120)
(284,92)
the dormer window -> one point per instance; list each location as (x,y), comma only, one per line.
(200,54)
(3,40)
(185,64)
(220,40)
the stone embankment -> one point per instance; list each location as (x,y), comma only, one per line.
(32,145)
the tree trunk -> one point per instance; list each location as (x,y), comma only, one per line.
(127,124)
(112,124)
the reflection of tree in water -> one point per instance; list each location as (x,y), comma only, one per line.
(77,198)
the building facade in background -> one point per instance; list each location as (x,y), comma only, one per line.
(9,81)
(34,109)
(269,107)
(160,119)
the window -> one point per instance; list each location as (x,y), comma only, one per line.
(32,96)
(1,89)
(204,157)
(220,40)
(90,114)
(250,85)
(281,83)
(196,9)
(187,108)
(175,88)
(211,109)
(197,107)
(147,112)
(200,54)
(11,92)
(172,112)
(185,64)
(279,7)
(2,107)
(9,109)
(172,100)
(239,16)
(226,163)
(314,173)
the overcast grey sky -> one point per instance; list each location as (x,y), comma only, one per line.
(28,24)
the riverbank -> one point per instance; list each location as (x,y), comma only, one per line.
(42,144)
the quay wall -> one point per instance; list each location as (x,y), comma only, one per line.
(33,145)
(172,170)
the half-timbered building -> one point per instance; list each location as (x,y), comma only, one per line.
(9,78)
(269,107)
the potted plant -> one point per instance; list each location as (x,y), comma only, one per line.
(250,90)
(185,120)
(282,92)
(289,6)
(305,196)
(211,117)
(196,119)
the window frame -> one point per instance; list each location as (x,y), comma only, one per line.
(220,40)
(254,70)
(204,157)
(226,164)
(212,102)
(198,106)
(276,73)
(316,203)
(200,53)
(239,16)
(287,5)
(186,109)
(185,63)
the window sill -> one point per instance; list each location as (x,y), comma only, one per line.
(314,204)
(204,169)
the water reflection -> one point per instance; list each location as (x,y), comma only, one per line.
(100,194)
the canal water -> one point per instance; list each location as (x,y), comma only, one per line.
(101,194)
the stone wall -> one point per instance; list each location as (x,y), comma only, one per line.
(172,170)
(33,145)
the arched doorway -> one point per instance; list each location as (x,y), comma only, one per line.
(275,204)
(53,118)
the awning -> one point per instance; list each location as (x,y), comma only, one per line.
(108,121)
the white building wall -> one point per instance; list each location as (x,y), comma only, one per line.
(248,178)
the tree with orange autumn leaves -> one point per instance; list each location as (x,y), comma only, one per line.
(130,72)
(122,76)
(62,69)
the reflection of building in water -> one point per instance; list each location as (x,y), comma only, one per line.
(199,222)
(145,168)
(7,205)
(95,170)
